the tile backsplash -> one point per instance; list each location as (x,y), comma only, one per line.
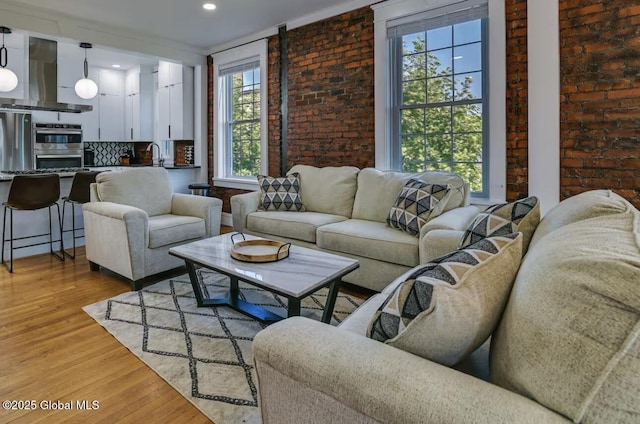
(108,153)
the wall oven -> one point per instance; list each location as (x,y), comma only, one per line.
(57,146)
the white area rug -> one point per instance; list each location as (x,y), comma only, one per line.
(204,353)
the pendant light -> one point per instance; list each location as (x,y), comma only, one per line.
(8,79)
(86,88)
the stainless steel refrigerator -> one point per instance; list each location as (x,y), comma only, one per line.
(16,147)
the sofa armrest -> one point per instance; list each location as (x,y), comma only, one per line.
(313,372)
(455,220)
(116,237)
(241,206)
(207,208)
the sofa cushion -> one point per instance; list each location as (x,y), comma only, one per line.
(329,190)
(369,239)
(447,309)
(146,188)
(378,191)
(570,334)
(589,204)
(520,216)
(280,194)
(293,225)
(168,229)
(416,204)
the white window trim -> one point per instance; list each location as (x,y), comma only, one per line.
(222,60)
(391,10)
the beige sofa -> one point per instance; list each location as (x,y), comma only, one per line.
(566,349)
(134,218)
(346,212)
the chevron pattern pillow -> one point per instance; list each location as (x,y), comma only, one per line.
(520,216)
(280,194)
(417,203)
(446,309)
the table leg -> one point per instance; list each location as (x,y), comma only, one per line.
(234,291)
(293,307)
(334,287)
(197,290)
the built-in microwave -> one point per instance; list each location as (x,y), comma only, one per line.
(57,137)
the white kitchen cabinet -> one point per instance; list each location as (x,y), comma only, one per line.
(175,102)
(138,104)
(107,120)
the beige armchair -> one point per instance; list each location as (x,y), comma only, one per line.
(134,218)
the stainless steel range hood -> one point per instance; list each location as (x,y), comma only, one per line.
(43,81)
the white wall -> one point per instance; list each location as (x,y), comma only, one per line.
(544,101)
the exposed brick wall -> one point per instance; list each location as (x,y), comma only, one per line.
(599,106)
(274,106)
(331,98)
(517,99)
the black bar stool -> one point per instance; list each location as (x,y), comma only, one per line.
(200,189)
(30,193)
(79,194)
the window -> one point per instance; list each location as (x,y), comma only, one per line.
(436,105)
(240,116)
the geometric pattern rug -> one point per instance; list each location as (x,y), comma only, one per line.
(204,353)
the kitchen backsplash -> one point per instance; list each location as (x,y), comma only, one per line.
(108,153)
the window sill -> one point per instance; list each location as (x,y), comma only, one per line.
(237,183)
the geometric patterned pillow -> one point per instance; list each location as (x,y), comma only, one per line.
(446,309)
(417,203)
(280,194)
(520,216)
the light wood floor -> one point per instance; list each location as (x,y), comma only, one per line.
(50,350)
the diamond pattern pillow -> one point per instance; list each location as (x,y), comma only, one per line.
(520,216)
(280,194)
(447,308)
(417,203)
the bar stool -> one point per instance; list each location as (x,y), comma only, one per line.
(79,194)
(200,189)
(30,193)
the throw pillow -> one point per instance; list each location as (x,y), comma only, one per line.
(446,309)
(280,194)
(520,216)
(417,203)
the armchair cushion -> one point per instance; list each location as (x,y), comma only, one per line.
(167,229)
(446,309)
(147,188)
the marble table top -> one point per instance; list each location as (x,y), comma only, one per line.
(304,270)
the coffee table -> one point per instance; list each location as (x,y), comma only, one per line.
(303,273)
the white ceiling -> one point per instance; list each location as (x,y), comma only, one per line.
(185,21)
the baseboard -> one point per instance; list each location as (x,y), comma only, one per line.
(226,219)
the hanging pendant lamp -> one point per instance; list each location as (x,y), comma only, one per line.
(86,88)
(8,79)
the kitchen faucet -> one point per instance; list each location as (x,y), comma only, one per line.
(160,158)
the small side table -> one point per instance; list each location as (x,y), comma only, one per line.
(200,189)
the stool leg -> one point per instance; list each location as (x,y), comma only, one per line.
(61,254)
(4,225)
(73,227)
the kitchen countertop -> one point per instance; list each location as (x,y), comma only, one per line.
(9,177)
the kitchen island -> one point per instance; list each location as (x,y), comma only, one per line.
(28,223)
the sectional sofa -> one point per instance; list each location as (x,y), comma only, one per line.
(566,348)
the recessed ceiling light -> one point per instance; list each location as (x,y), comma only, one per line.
(115,65)
(208,6)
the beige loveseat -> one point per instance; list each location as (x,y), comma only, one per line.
(346,212)
(134,218)
(566,349)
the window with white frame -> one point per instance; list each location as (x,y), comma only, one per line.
(437,101)
(240,137)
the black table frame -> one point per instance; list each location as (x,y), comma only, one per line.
(255,311)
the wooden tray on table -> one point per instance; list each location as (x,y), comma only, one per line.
(259,251)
